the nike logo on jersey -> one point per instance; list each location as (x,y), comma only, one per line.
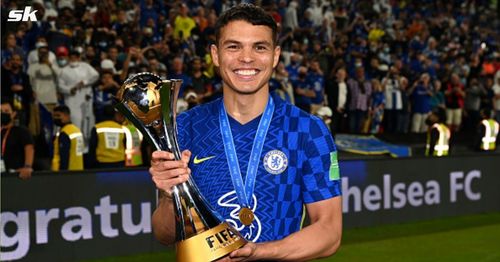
(197,160)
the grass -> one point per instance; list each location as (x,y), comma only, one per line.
(467,238)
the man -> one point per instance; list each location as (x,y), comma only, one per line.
(438,136)
(108,141)
(68,143)
(318,85)
(454,94)
(299,156)
(303,90)
(17,88)
(487,132)
(360,90)
(75,82)
(43,77)
(18,149)
(337,93)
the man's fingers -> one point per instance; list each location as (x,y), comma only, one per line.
(161,156)
(186,155)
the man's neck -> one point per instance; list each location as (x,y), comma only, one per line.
(244,108)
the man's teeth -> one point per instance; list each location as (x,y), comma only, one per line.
(246,72)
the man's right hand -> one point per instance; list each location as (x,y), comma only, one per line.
(167,172)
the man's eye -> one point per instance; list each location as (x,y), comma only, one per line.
(261,48)
(232,47)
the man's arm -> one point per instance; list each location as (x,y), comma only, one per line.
(320,239)
(64,148)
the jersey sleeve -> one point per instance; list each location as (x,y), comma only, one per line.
(320,169)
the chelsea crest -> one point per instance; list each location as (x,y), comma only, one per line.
(275,162)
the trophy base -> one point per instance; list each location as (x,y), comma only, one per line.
(209,245)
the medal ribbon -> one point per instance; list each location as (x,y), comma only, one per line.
(245,191)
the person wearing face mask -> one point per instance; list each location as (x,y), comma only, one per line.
(18,149)
(75,82)
(34,56)
(68,143)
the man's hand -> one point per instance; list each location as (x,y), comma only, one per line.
(245,253)
(167,172)
(25,172)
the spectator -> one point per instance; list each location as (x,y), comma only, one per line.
(393,97)
(437,99)
(18,149)
(472,105)
(285,88)
(68,142)
(107,141)
(377,107)
(183,23)
(317,81)
(360,91)
(496,89)
(454,95)
(103,93)
(421,97)
(290,19)
(75,84)
(303,90)
(10,48)
(337,94)
(403,117)
(17,88)
(43,78)
(178,73)
(202,85)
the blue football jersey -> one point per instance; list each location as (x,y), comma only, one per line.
(295,168)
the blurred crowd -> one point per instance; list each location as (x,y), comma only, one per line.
(374,66)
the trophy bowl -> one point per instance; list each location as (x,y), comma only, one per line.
(149,102)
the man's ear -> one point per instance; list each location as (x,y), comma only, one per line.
(215,55)
(277,53)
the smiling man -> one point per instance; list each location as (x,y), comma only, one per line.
(256,153)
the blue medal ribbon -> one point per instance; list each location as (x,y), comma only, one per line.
(245,191)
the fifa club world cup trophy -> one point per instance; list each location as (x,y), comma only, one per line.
(149,103)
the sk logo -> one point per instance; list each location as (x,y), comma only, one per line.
(197,160)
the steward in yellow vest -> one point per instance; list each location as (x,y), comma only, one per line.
(486,138)
(107,141)
(438,135)
(68,143)
(133,155)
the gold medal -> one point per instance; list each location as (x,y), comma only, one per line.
(246,216)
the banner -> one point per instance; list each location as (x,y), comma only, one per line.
(369,145)
(74,216)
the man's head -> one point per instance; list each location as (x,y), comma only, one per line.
(177,65)
(8,113)
(61,115)
(16,61)
(245,51)
(486,113)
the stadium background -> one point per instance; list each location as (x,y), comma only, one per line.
(438,38)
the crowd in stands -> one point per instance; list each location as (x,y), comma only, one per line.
(374,66)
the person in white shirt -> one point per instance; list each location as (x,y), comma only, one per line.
(75,82)
(43,79)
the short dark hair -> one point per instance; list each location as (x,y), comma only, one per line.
(248,13)
(7,100)
(63,109)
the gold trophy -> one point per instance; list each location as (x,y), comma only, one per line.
(150,103)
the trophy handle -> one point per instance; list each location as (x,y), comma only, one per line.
(169,92)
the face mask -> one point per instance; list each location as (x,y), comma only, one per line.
(62,62)
(358,64)
(386,49)
(73,64)
(6,119)
(58,122)
(39,44)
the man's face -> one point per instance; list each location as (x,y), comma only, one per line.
(245,56)
(7,109)
(16,61)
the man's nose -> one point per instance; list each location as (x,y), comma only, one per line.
(246,55)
